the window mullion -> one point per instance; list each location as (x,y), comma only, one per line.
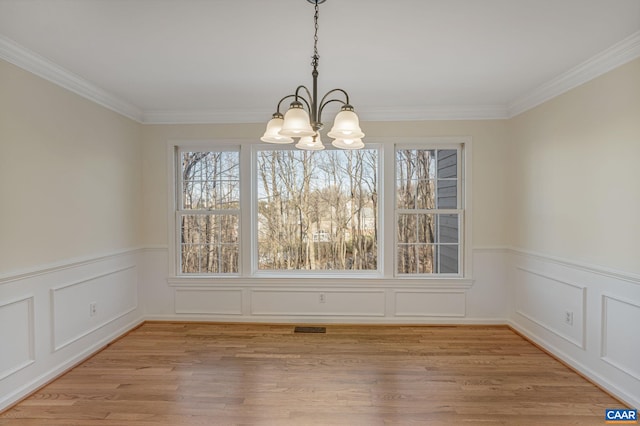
(248,212)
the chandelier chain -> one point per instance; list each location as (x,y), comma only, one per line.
(316,56)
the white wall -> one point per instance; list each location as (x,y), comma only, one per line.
(70,175)
(575,191)
(70,190)
(381,301)
(574,173)
(346,301)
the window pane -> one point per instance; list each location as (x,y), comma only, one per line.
(210,180)
(447,163)
(209,243)
(406,259)
(447,194)
(415,171)
(426,258)
(317,210)
(427,226)
(449,228)
(406,194)
(418,194)
(407,228)
(416,258)
(425,195)
(448,255)
(405,164)
(229,259)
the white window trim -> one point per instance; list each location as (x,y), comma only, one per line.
(254,272)
(180,211)
(385,277)
(174,197)
(439,144)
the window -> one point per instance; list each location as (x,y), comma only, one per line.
(317,210)
(208,212)
(428,211)
(388,211)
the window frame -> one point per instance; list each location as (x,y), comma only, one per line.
(385,277)
(253,230)
(179,211)
(459,210)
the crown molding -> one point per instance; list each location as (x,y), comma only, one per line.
(30,61)
(619,54)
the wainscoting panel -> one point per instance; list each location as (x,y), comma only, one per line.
(430,303)
(318,303)
(482,299)
(552,303)
(603,343)
(46,325)
(621,334)
(216,301)
(16,335)
(113,295)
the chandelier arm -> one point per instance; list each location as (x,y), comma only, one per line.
(309,103)
(304,100)
(297,97)
(294,96)
(281,100)
(306,90)
(323,102)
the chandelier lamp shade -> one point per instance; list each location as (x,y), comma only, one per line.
(303,119)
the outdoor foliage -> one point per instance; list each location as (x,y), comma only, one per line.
(427,225)
(211,201)
(318,210)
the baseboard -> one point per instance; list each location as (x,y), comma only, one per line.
(276,319)
(580,369)
(52,327)
(43,380)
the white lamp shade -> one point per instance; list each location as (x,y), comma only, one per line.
(309,144)
(296,124)
(271,135)
(348,143)
(346,126)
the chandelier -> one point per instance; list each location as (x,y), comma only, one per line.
(303,120)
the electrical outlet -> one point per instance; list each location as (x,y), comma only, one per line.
(323,298)
(93,309)
(568,317)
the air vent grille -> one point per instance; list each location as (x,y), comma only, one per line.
(310,330)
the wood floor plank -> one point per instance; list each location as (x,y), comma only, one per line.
(248,374)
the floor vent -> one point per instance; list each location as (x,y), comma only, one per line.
(310,330)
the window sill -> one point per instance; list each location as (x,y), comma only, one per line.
(302,282)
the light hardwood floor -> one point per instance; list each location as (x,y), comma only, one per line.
(219,374)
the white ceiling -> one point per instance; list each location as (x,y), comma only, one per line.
(232,60)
